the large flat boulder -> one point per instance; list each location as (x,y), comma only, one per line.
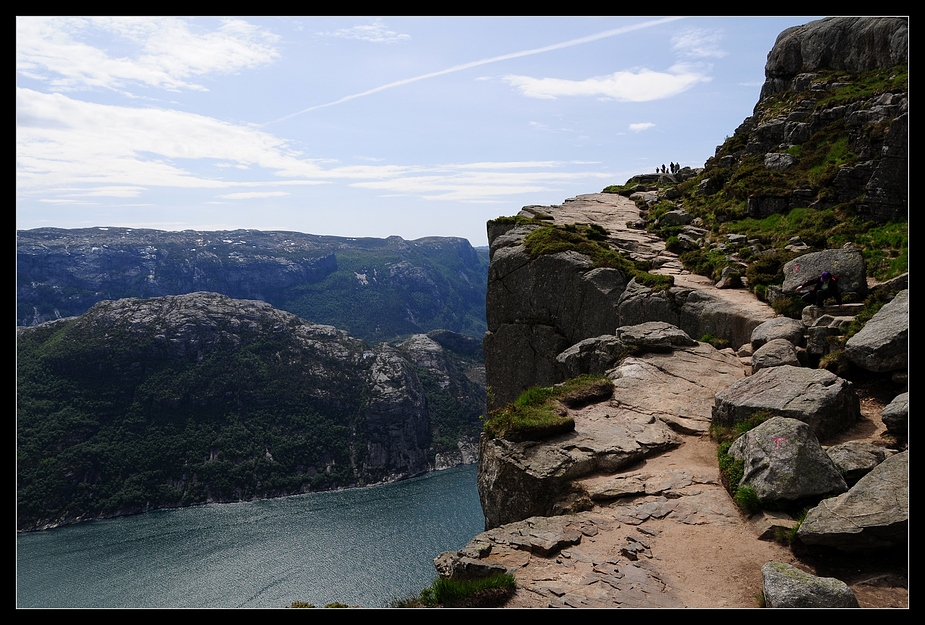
(520,479)
(655,394)
(678,388)
(847,264)
(826,402)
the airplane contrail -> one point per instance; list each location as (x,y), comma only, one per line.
(494,59)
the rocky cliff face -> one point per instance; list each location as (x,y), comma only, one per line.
(834,110)
(176,400)
(814,96)
(851,44)
(540,306)
(376,289)
(830,130)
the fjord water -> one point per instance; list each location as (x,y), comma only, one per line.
(362,547)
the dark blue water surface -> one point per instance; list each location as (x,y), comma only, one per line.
(362,547)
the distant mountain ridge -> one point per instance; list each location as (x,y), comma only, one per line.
(376,289)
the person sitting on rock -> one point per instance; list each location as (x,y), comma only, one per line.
(820,289)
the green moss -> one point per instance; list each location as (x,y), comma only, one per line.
(484,592)
(732,469)
(588,240)
(516,220)
(534,415)
(450,592)
(715,341)
(622,189)
(747,499)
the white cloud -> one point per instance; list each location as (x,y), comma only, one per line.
(641,85)
(698,43)
(251,195)
(113,191)
(377,32)
(61,142)
(639,127)
(68,149)
(504,57)
(157,52)
(459,183)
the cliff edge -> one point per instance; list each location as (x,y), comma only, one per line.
(630,507)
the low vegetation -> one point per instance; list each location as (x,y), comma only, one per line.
(734,177)
(590,240)
(539,412)
(731,470)
(485,592)
(109,424)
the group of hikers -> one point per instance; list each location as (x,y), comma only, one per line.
(673,168)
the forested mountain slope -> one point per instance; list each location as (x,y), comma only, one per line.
(171,401)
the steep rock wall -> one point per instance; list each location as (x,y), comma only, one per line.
(539,307)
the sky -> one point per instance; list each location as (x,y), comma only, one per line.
(364,126)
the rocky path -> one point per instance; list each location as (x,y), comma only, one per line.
(620,217)
(662,532)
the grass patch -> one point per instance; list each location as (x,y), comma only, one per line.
(885,248)
(588,240)
(536,414)
(486,592)
(625,190)
(715,341)
(731,469)
(747,499)
(515,220)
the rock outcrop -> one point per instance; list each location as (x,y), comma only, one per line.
(537,308)
(872,515)
(850,44)
(655,395)
(883,343)
(805,69)
(553,314)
